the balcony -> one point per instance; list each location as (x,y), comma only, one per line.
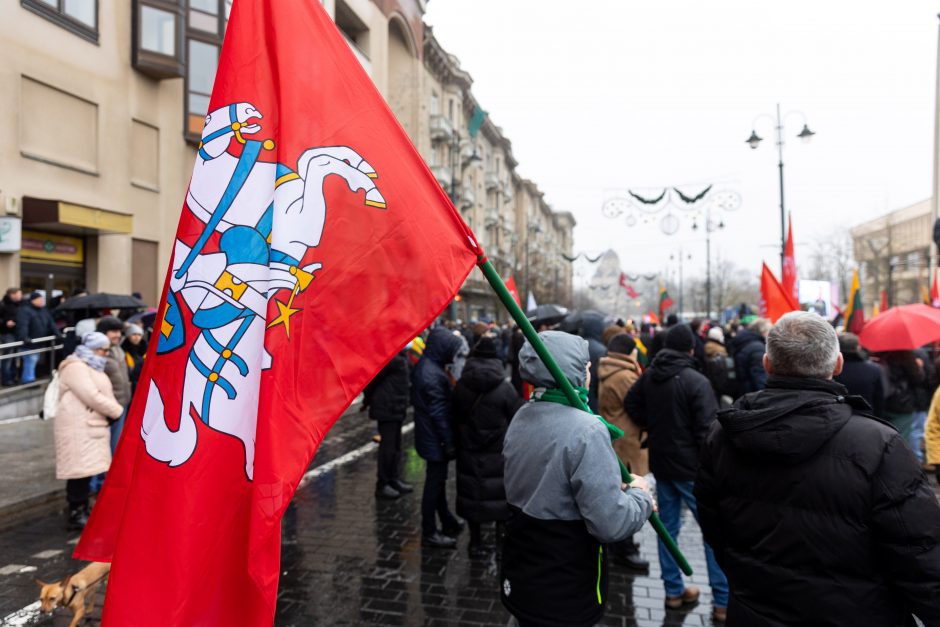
(507,191)
(441,128)
(491,180)
(442,174)
(467,197)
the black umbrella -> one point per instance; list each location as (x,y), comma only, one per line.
(546,314)
(101,301)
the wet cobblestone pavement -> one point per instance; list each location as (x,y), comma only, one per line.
(350,560)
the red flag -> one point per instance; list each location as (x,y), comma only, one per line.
(934,292)
(511,286)
(788,278)
(309,217)
(775,301)
(630,291)
(884,301)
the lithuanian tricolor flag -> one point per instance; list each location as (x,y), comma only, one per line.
(854,315)
(665,302)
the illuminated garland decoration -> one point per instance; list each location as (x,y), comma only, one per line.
(648,201)
(576,257)
(692,200)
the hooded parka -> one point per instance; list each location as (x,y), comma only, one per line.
(484,403)
(431,391)
(818,512)
(618,373)
(82,433)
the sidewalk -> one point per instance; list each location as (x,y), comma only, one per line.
(27,457)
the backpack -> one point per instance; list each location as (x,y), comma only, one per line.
(50,399)
(720,372)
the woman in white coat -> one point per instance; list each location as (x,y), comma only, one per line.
(85,410)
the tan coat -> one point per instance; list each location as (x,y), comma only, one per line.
(932,430)
(713,349)
(82,435)
(617,374)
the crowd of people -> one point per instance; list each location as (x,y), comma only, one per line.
(801,456)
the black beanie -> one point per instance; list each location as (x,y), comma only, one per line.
(621,343)
(109,323)
(680,338)
(485,348)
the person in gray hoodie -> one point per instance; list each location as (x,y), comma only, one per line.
(565,497)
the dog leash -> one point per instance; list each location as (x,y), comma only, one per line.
(75,589)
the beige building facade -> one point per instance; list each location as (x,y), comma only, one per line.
(107,98)
(893,252)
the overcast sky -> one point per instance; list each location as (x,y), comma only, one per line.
(602,96)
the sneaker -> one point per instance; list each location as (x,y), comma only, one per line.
(453,529)
(387,492)
(688,597)
(439,541)
(77,519)
(401,486)
(633,562)
(719,615)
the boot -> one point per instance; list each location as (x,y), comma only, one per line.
(401,486)
(387,492)
(627,554)
(77,517)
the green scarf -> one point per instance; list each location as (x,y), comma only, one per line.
(555,395)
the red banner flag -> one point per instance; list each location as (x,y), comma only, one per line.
(934,292)
(775,300)
(884,301)
(788,278)
(511,286)
(309,216)
(632,293)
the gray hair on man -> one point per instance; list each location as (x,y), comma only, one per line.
(803,344)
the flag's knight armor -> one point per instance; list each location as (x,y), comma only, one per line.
(267,216)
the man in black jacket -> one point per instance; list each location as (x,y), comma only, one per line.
(431,393)
(9,308)
(748,349)
(386,398)
(860,376)
(675,404)
(33,321)
(817,511)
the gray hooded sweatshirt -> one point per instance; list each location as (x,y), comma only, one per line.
(563,486)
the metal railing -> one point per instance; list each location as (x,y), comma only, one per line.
(48,344)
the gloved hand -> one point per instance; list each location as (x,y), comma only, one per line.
(449,451)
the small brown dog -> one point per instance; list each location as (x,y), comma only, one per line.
(76,592)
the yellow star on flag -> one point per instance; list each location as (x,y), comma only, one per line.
(284,315)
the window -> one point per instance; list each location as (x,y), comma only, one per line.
(158,36)
(435,104)
(450,110)
(77,16)
(205,27)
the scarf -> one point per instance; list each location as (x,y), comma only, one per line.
(88,356)
(555,395)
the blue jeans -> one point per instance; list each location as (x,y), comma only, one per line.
(917,434)
(670,495)
(29,368)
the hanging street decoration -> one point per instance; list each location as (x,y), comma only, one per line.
(668,206)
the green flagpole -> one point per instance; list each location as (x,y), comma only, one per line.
(530,334)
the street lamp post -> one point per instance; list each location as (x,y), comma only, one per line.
(680,258)
(754,141)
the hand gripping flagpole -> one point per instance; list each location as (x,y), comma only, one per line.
(530,334)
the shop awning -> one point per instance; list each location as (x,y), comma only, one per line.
(64,217)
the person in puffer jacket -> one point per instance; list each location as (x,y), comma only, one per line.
(816,509)
(565,498)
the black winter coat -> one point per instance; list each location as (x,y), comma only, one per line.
(8,312)
(33,322)
(748,349)
(592,330)
(863,378)
(676,405)
(431,396)
(817,513)
(387,394)
(484,403)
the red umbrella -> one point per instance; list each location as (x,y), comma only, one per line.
(901,328)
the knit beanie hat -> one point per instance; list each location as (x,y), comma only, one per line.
(96,340)
(680,338)
(485,348)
